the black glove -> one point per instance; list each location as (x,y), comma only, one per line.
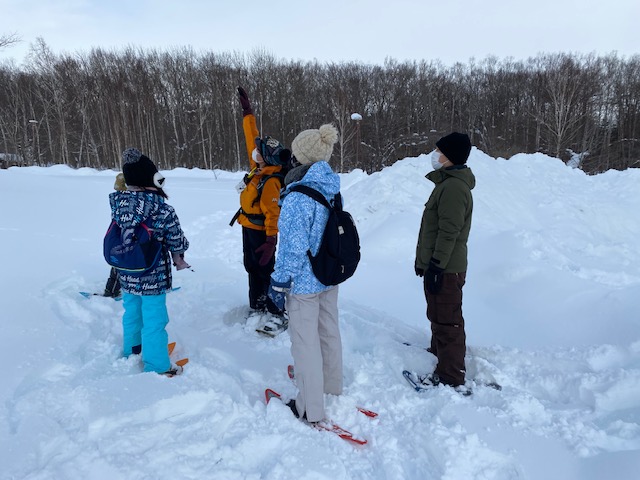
(419,271)
(244,102)
(433,277)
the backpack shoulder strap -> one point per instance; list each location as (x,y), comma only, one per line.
(263,181)
(311,192)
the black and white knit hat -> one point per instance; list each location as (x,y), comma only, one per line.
(139,170)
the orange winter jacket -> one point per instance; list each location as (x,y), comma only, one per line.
(262,215)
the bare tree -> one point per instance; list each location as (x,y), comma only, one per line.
(180,107)
(8,39)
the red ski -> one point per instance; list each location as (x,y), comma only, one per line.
(327,426)
(364,411)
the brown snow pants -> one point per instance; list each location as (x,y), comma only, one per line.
(448,339)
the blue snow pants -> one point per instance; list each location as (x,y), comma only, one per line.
(143,323)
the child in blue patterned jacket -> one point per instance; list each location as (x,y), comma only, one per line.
(144,297)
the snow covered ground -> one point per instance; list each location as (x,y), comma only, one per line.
(552,305)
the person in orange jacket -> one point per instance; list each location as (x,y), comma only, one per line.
(259,208)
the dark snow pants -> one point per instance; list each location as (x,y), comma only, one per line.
(259,276)
(448,339)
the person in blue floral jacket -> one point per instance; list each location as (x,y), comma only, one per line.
(145,309)
(316,345)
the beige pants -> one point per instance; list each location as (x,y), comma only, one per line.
(316,348)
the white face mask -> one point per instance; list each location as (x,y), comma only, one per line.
(435,157)
(254,155)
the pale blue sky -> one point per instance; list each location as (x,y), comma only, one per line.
(333,30)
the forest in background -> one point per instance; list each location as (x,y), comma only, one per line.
(180,107)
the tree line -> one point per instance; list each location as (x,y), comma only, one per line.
(180,107)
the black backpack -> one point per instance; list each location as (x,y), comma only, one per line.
(339,252)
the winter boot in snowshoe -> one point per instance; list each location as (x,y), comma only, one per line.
(433,380)
(173,370)
(277,323)
(292,405)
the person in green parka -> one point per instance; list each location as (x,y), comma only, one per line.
(441,256)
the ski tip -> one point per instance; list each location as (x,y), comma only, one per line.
(269,394)
(356,440)
(340,432)
(182,362)
(171,347)
(95,294)
(368,413)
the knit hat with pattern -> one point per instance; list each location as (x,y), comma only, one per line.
(272,151)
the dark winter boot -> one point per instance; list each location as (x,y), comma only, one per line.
(292,405)
(173,370)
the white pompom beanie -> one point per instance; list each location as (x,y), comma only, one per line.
(315,145)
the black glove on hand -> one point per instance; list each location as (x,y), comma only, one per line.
(433,277)
(419,271)
(244,102)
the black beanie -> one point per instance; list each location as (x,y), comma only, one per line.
(139,170)
(455,146)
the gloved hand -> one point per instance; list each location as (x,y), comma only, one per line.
(278,292)
(248,176)
(244,102)
(178,261)
(419,271)
(433,277)
(266,250)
